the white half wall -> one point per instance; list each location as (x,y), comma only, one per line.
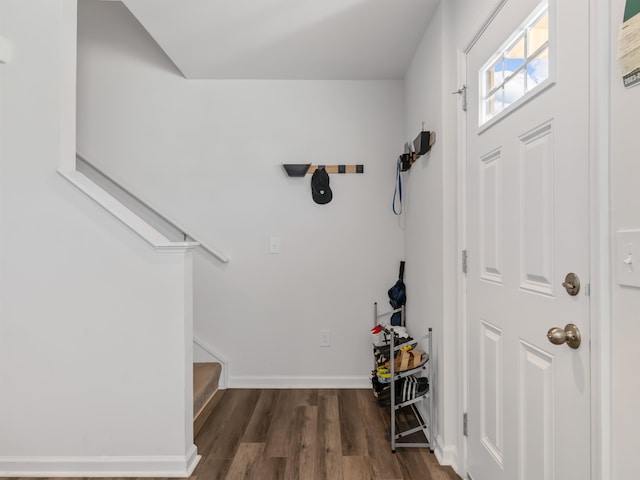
(95,326)
(210,153)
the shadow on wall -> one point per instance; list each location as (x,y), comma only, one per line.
(287,39)
(131,40)
(298,51)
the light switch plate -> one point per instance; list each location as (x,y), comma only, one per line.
(325,338)
(5,50)
(274,245)
(627,258)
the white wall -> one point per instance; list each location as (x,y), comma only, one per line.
(469,16)
(209,153)
(431,216)
(93,337)
(423,209)
(625,214)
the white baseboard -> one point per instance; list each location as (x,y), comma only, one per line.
(446,454)
(299,382)
(168,466)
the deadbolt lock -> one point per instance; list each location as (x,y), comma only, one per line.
(571,284)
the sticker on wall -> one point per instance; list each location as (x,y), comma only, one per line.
(629,44)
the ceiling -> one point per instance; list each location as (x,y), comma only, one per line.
(287,39)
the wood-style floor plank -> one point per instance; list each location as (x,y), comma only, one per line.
(329,450)
(211,429)
(357,468)
(354,443)
(302,447)
(269,467)
(438,472)
(206,411)
(305,397)
(412,465)
(246,456)
(232,424)
(308,445)
(305,434)
(212,469)
(262,417)
(383,462)
(279,434)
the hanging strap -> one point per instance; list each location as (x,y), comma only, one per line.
(397,194)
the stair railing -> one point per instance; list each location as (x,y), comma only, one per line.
(186,235)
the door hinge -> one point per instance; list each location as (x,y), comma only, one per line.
(465,265)
(463,92)
(465,424)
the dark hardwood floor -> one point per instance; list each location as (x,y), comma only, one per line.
(306,435)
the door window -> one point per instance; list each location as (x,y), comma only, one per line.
(518,69)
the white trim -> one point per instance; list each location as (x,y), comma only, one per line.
(154,238)
(299,382)
(446,454)
(600,240)
(463,399)
(484,24)
(221,359)
(101,466)
(520,102)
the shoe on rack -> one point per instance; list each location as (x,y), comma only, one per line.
(408,360)
(407,389)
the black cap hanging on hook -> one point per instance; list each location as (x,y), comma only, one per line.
(320,190)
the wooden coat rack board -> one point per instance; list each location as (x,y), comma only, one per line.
(338,168)
(302,169)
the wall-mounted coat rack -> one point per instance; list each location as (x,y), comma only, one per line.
(301,169)
(421,145)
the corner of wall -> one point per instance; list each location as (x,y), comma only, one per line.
(69,42)
(446,454)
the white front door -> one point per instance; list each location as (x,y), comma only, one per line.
(527,228)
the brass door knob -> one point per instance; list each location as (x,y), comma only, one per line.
(570,335)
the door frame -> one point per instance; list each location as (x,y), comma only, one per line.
(600,237)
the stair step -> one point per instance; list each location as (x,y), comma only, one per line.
(206,377)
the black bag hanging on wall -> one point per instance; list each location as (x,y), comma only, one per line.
(398,297)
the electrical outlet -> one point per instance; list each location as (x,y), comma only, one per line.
(325,338)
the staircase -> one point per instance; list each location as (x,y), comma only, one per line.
(206,377)
(165,236)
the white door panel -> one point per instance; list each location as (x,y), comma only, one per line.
(527,227)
